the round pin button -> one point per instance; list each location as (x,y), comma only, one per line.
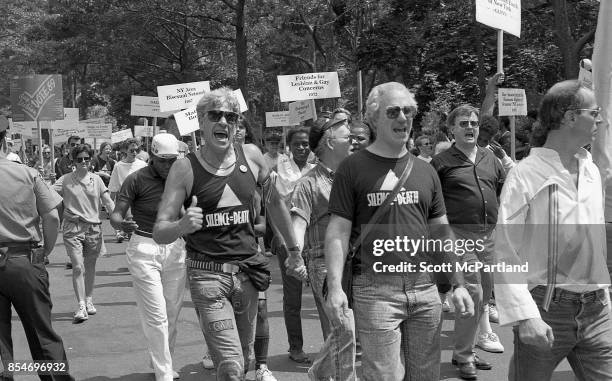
(243,168)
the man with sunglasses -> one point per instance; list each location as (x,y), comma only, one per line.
(471,178)
(129,164)
(397,314)
(551,216)
(217,186)
(64,164)
(425,146)
(158,270)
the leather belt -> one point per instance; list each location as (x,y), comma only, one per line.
(19,245)
(226,268)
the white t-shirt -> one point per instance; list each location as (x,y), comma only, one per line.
(121,171)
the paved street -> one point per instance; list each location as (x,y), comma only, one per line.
(111,346)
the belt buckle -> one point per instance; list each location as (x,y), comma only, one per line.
(230,268)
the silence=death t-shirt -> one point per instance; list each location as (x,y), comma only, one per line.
(362,183)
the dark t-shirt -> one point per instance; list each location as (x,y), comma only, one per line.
(143,190)
(362,183)
(98,164)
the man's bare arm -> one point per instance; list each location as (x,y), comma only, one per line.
(169,227)
(50,225)
(336,248)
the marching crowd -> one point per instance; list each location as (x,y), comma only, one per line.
(211,217)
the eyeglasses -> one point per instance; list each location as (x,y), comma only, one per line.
(468,123)
(46,151)
(593,111)
(394,111)
(133,150)
(73,144)
(82,159)
(166,160)
(425,144)
(216,115)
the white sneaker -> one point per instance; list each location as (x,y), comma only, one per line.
(493,314)
(91,309)
(490,342)
(81,315)
(207,361)
(264,374)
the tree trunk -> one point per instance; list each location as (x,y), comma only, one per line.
(564,39)
(241,48)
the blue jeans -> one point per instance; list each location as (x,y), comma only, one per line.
(582,328)
(292,300)
(398,320)
(227,306)
(336,359)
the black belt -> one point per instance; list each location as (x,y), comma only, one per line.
(561,294)
(19,245)
(227,268)
(143,233)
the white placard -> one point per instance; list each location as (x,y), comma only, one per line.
(147,106)
(23,128)
(61,135)
(187,121)
(70,122)
(297,87)
(500,14)
(98,128)
(512,102)
(302,110)
(278,119)
(143,130)
(122,135)
(181,96)
(241,101)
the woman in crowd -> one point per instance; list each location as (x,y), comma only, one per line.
(83,194)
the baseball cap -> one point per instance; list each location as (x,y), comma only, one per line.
(4,123)
(164,144)
(318,130)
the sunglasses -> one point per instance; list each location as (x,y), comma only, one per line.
(216,115)
(82,159)
(134,150)
(593,111)
(393,112)
(467,123)
(166,161)
(46,151)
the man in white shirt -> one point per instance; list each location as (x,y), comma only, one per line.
(551,222)
(121,170)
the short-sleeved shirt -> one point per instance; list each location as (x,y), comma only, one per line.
(121,171)
(98,164)
(362,183)
(470,188)
(24,197)
(63,165)
(143,190)
(310,200)
(82,197)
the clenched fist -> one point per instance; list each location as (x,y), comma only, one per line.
(193,218)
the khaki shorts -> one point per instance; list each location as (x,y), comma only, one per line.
(82,239)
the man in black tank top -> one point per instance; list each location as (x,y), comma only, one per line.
(216,185)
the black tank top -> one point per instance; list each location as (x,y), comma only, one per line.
(227,203)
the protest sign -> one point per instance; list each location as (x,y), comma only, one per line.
(147,106)
(241,101)
(143,130)
(302,110)
(187,121)
(512,102)
(37,97)
(181,96)
(122,135)
(278,119)
(500,14)
(23,128)
(98,128)
(298,87)
(70,121)
(61,135)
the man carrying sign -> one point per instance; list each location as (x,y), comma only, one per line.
(217,185)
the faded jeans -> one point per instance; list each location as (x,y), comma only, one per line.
(159,283)
(336,358)
(398,319)
(227,305)
(582,329)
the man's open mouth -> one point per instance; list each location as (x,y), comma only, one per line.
(220,135)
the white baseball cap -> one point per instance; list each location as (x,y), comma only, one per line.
(164,145)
